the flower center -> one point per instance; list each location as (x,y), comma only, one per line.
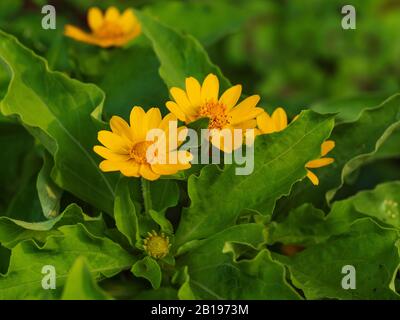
(216,112)
(139,152)
(156,245)
(109,30)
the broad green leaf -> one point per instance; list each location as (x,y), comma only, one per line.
(183,279)
(24,278)
(215,275)
(164,194)
(16,143)
(125,212)
(149,269)
(49,193)
(307,225)
(137,84)
(369,248)
(350,109)
(219,196)
(24,204)
(304,225)
(356,143)
(180,55)
(59,114)
(14,231)
(208,21)
(81,285)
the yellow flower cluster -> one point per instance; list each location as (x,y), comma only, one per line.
(126,148)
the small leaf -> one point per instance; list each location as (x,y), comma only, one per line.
(149,269)
(80,284)
(125,212)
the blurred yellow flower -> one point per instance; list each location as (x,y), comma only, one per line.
(200,101)
(128,150)
(277,122)
(109,30)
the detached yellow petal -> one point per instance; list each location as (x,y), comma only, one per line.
(313,178)
(322,162)
(326,147)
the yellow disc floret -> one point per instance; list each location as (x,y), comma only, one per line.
(156,245)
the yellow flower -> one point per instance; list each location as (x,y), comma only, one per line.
(200,101)
(109,30)
(157,246)
(277,122)
(127,148)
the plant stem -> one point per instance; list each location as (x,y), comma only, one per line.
(146,195)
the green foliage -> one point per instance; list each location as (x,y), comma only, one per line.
(269,234)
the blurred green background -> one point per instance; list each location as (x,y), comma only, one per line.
(294,53)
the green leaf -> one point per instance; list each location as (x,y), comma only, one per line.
(24,278)
(129,88)
(149,269)
(180,56)
(125,212)
(14,231)
(80,284)
(215,275)
(164,194)
(49,193)
(366,246)
(349,109)
(59,115)
(16,143)
(279,161)
(208,21)
(307,225)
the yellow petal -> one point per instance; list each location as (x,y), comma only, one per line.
(120,127)
(193,90)
(138,123)
(164,124)
(77,34)
(236,119)
(146,172)
(319,163)
(109,155)
(279,117)
(231,96)
(113,141)
(152,119)
(128,21)
(226,140)
(108,166)
(130,169)
(265,123)
(112,14)
(176,110)
(95,18)
(183,102)
(244,107)
(326,147)
(210,88)
(313,178)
